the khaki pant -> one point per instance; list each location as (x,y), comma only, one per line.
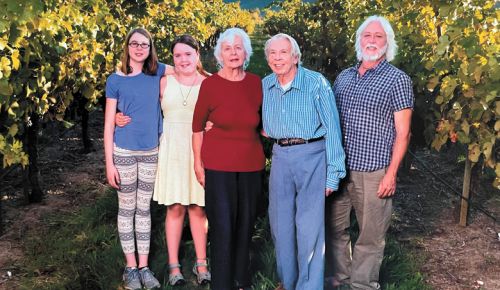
(361,269)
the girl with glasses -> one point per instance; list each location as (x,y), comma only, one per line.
(131,152)
(176,185)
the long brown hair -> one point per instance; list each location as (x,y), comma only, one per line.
(190,41)
(150,64)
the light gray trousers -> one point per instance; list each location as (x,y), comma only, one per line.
(296,214)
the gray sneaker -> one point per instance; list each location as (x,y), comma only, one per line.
(131,279)
(148,279)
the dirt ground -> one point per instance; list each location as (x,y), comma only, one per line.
(425,217)
(69,180)
(426,221)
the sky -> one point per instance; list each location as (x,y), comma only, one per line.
(250,4)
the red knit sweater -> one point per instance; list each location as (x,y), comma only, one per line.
(233,143)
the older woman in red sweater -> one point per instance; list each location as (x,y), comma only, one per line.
(229,159)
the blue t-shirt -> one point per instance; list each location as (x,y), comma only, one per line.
(138,97)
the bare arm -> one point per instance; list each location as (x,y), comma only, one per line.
(402,121)
(163,85)
(109,129)
(199,170)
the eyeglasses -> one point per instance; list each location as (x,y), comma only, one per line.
(137,44)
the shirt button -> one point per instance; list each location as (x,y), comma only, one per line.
(282,111)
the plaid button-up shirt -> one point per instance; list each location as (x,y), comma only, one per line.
(367,105)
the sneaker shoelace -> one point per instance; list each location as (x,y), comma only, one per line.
(132,275)
(148,277)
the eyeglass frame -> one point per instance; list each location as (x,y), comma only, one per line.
(134,44)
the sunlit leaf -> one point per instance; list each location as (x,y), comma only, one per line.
(15,59)
(5,88)
(432,83)
(465,127)
(448,86)
(13,130)
(487,149)
(444,10)
(474,152)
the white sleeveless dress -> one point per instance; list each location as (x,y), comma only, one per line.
(175,178)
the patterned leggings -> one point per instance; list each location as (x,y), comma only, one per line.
(137,170)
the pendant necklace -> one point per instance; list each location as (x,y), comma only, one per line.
(184,98)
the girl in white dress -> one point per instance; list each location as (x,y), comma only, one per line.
(176,185)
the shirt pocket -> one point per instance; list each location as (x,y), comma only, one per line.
(303,102)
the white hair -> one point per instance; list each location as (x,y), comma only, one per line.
(295,47)
(391,42)
(229,36)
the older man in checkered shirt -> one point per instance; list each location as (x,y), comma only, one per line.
(375,101)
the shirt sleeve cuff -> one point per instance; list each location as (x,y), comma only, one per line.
(332,183)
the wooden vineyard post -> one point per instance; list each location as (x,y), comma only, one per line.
(1,217)
(464,209)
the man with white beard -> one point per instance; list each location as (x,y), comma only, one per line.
(375,101)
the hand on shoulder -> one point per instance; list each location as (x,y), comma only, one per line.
(119,72)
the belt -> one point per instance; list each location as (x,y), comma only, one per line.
(295,141)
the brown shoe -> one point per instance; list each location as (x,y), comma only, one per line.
(280,287)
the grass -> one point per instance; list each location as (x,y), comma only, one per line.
(82,251)
(399,269)
(264,262)
(75,251)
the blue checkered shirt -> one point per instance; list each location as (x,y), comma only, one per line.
(305,110)
(367,105)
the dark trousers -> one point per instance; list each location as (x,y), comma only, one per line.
(230,204)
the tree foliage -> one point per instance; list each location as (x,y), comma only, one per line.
(451,52)
(57,52)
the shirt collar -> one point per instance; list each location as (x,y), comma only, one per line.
(298,80)
(380,67)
